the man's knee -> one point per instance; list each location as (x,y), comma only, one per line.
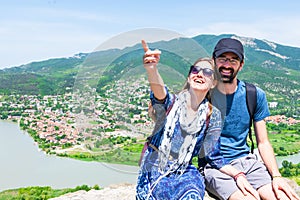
(238,195)
(266,192)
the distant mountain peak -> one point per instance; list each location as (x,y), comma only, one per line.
(80,55)
(246,41)
(273,53)
(271,44)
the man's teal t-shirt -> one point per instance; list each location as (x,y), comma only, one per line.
(236,119)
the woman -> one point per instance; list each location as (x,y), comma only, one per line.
(186,126)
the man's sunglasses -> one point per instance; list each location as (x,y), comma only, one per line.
(206,71)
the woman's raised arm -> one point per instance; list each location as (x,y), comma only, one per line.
(150,60)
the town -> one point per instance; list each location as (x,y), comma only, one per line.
(61,121)
(83,119)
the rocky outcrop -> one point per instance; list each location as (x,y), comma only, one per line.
(126,192)
(113,192)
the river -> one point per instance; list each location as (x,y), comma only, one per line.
(23,165)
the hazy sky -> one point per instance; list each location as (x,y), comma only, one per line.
(34,30)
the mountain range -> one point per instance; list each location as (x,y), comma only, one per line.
(273,67)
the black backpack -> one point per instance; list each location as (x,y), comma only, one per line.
(251,97)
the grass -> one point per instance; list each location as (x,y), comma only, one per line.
(40,193)
(128,154)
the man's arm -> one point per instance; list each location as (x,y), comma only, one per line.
(265,148)
(267,154)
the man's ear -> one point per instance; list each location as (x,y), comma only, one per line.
(241,65)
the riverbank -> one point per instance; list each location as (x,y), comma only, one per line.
(23,165)
(120,148)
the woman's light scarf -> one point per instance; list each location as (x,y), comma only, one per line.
(189,129)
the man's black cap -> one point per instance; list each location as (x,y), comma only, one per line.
(229,45)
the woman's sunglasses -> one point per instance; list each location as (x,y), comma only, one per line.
(206,71)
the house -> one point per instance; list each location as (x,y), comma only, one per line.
(273,104)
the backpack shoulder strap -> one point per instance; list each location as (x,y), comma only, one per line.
(251,97)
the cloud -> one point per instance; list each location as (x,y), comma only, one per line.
(283,31)
(39,31)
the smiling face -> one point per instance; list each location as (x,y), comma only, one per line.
(201,77)
(228,65)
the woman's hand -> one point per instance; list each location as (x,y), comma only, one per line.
(150,58)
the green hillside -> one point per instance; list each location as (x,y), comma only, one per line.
(273,67)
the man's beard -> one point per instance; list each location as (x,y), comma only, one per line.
(226,78)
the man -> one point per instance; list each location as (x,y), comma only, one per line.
(264,177)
